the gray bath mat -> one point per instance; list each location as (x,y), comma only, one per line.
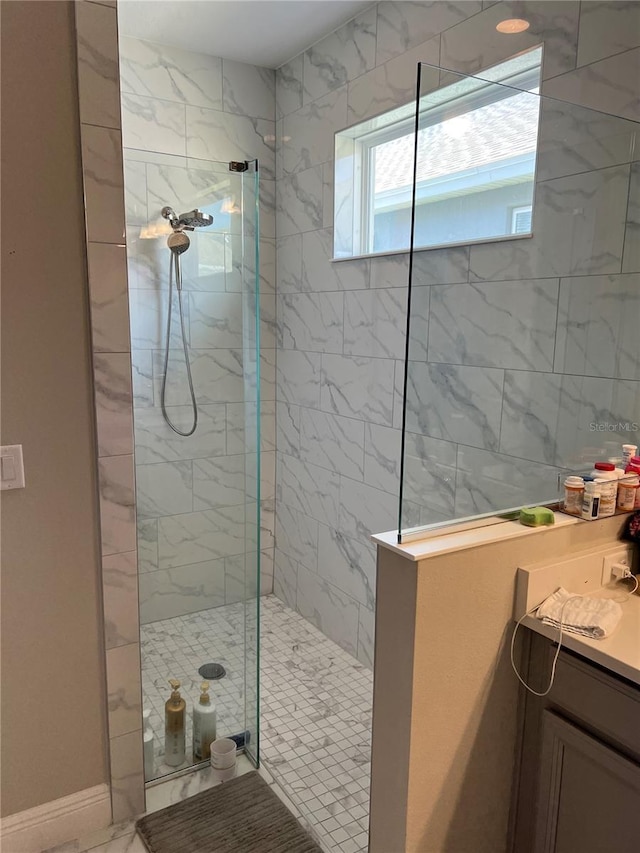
(241,816)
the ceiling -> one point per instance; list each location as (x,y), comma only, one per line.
(261,32)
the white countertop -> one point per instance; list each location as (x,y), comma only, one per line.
(619,653)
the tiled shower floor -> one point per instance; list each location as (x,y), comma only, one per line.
(315,708)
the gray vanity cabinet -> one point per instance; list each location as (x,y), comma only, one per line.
(577,775)
(588,794)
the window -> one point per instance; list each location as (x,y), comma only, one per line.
(476,155)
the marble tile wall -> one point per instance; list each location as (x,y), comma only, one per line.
(185,115)
(99,95)
(516,347)
(213,99)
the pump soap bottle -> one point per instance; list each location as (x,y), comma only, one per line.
(204,724)
(174,709)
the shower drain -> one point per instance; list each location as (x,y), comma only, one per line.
(212,671)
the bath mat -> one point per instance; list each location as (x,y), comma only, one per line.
(241,816)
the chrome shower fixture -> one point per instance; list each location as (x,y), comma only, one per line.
(178,242)
(187,221)
(196,219)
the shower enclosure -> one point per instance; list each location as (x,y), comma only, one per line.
(194,317)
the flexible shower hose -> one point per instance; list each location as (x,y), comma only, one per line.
(174,268)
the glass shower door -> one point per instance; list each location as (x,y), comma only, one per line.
(251,363)
(197,495)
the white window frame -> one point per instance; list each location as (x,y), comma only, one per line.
(366,142)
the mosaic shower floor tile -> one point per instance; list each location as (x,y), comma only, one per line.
(315,708)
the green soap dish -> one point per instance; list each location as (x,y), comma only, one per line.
(537,516)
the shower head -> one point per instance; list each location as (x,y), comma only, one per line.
(178,242)
(195,219)
(187,221)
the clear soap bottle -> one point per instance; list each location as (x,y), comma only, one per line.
(148,739)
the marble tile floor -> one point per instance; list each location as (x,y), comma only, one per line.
(315,735)
(316,704)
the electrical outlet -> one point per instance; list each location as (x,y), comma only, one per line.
(623,556)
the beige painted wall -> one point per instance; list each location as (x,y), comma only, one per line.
(461,690)
(53,695)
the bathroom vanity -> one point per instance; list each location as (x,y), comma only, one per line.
(577,771)
(577,785)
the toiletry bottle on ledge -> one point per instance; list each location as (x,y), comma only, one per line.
(605,473)
(204,724)
(174,709)
(591,500)
(627,492)
(633,467)
(148,741)
(573,495)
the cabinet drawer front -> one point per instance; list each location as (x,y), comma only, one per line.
(605,704)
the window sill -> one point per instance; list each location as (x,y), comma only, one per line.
(449,540)
(507,239)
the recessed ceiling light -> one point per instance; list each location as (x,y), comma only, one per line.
(513,25)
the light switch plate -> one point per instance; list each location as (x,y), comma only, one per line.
(11,467)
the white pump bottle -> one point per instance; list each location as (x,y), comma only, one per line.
(204,724)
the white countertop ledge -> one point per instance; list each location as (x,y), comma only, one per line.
(447,540)
(619,653)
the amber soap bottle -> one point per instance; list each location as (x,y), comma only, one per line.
(174,720)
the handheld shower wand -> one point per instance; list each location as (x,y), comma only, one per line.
(178,243)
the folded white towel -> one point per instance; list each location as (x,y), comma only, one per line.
(596,618)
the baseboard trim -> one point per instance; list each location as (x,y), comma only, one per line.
(41,827)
